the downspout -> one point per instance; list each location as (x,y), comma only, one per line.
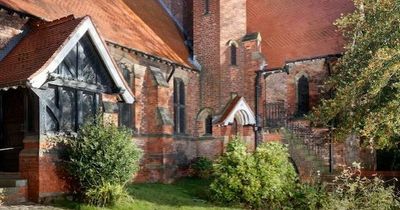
(331,124)
(172,73)
(257,126)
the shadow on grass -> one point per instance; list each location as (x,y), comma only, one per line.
(185,192)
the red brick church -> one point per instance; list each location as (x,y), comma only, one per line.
(184,75)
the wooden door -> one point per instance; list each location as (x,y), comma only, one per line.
(12,129)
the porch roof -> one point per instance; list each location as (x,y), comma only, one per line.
(34,50)
(45,46)
(237,109)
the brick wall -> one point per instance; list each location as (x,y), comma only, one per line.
(154,130)
(283,87)
(206,49)
(224,24)
(29,166)
(316,71)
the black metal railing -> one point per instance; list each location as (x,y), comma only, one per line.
(314,141)
(275,115)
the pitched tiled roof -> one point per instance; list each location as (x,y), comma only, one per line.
(34,50)
(138,24)
(228,109)
(237,108)
(296,29)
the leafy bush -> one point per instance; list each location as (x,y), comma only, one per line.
(263,179)
(201,167)
(102,159)
(355,192)
(104,195)
(308,197)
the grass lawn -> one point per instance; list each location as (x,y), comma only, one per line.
(185,194)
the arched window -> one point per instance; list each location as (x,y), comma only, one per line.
(179,106)
(206,7)
(233,55)
(303,96)
(208,125)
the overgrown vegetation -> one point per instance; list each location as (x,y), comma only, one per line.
(348,191)
(102,159)
(352,191)
(310,196)
(185,194)
(262,179)
(366,80)
(201,167)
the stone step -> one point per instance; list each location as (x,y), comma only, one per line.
(12,175)
(11,180)
(13,187)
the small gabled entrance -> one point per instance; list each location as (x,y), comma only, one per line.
(12,120)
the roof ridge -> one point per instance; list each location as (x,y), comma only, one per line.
(46,24)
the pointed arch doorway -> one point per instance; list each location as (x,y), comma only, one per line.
(303,96)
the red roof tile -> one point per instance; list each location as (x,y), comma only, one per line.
(228,109)
(296,29)
(34,50)
(139,24)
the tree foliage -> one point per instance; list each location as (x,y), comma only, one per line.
(366,80)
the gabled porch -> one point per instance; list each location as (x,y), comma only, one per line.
(48,88)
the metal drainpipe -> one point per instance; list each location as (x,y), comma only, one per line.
(257,125)
(331,127)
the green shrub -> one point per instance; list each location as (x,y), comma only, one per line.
(201,167)
(105,195)
(351,191)
(308,197)
(102,159)
(260,180)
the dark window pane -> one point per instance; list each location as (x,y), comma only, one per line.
(176,117)
(208,125)
(181,94)
(182,120)
(303,96)
(88,106)
(206,6)
(233,55)
(179,106)
(125,115)
(68,107)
